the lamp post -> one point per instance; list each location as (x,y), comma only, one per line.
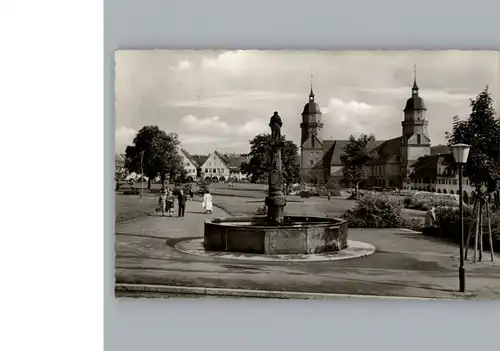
(460,154)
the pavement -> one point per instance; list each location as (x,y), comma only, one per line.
(405,264)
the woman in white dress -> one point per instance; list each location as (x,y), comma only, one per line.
(207,202)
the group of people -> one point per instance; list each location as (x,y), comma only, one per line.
(166,202)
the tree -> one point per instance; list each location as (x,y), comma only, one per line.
(155,153)
(259,164)
(481,130)
(355,156)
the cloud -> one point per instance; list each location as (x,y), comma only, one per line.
(350,107)
(232,61)
(215,126)
(124,137)
(237,100)
(357,91)
(431,95)
(183,65)
(343,118)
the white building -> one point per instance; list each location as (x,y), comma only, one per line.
(190,165)
(215,167)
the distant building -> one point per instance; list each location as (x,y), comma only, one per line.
(235,162)
(215,167)
(400,160)
(220,167)
(190,165)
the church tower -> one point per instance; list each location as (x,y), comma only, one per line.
(311,144)
(415,140)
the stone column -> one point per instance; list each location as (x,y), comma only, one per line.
(275,201)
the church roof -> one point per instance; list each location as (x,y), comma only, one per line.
(333,150)
(386,150)
(311,108)
(415,103)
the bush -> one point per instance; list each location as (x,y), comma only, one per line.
(376,211)
(448,225)
(426,204)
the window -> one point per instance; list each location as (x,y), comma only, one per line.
(312,162)
(419,139)
(206,170)
(214,170)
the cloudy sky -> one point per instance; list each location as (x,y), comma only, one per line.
(219,100)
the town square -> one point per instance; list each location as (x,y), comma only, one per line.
(309,202)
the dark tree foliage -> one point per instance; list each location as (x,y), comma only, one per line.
(259,165)
(481,130)
(356,154)
(159,153)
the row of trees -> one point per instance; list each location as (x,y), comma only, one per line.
(481,130)
(155,153)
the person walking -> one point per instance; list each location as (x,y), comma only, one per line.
(162,202)
(207,202)
(181,201)
(170,202)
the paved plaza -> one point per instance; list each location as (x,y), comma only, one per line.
(405,264)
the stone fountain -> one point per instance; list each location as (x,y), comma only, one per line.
(275,234)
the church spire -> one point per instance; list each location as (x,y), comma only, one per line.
(415,86)
(311,94)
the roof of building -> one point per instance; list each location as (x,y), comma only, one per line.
(311,107)
(200,159)
(415,103)
(386,150)
(235,161)
(333,150)
(427,166)
(190,158)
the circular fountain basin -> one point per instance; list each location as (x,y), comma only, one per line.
(297,235)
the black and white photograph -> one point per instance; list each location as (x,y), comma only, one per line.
(307,174)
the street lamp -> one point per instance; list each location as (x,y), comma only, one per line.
(460,154)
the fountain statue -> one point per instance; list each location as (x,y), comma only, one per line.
(275,201)
(275,233)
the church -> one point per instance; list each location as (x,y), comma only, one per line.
(399,160)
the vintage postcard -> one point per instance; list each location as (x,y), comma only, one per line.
(307,174)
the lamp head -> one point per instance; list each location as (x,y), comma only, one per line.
(460,153)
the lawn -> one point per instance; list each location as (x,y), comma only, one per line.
(313,206)
(130,207)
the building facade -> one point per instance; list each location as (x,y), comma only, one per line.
(403,162)
(190,165)
(215,167)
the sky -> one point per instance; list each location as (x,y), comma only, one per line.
(219,100)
